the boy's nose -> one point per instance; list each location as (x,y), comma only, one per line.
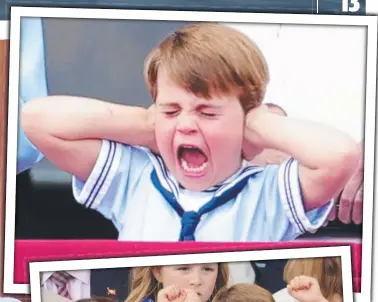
(187,124)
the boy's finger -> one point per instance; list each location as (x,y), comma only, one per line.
(348,197)
(350,191)
(332,214)
(358,206)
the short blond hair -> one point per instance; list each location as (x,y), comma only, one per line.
(209,59)
(144,284)
(243,292)
(327,271)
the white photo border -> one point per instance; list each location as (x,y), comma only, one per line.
(371,7)
(35,268)
(4,30)
(300,19)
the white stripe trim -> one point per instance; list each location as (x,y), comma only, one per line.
(170,183)
(292,183)
(96,184)
(286,196)
(114,163)
(83,195)
(291,186)
(102,176)
(298,201)
(245,172)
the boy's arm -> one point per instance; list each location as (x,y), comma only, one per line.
(327,157)
(27,154)
(68,130)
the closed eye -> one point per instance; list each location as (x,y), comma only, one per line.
(206,114)
(170,113)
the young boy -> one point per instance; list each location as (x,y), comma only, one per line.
(207,82)
(243,292)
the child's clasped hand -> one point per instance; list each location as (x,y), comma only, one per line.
(174,293)
(305,289)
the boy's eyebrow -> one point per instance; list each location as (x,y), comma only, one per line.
(167,104)
(208,106)
(198,107)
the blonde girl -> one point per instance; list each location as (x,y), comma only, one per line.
(203,279)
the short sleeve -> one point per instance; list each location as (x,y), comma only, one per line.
(33,85)
(116,174)
(285,211)
(33,80)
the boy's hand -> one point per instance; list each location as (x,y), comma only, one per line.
(250,151)
(305,289)
(326,157)
(172,293)
(350,200)
(151,125)
(252,148)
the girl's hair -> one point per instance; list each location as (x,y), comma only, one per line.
(327,271)
(210,59)
(144,285)
(243,292)
(97,299)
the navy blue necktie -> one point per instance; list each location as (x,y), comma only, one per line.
(190,219)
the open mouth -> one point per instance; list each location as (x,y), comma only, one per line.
(192,159)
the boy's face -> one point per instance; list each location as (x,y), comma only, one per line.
(200,140)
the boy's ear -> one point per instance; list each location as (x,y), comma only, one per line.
(156,274)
